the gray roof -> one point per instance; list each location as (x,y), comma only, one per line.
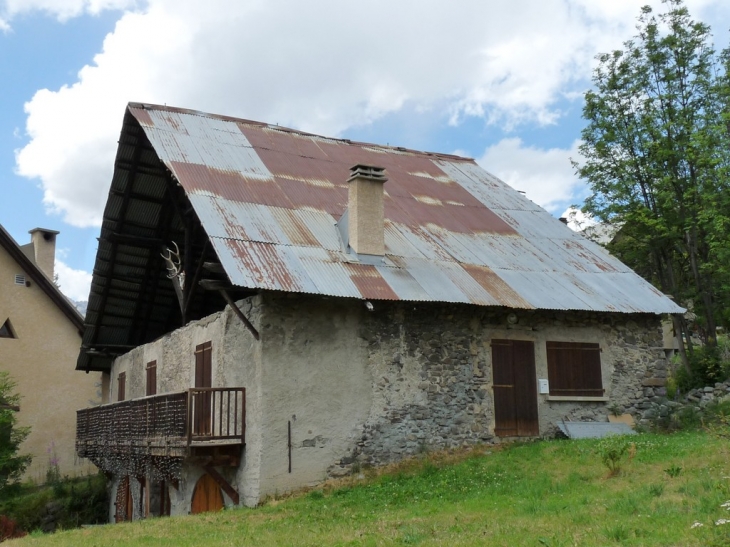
(268,200)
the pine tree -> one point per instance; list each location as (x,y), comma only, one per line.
(12,465)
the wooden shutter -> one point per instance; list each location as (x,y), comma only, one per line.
(151,378)
(203,365)
(121,386)
(202,410)
(574,369)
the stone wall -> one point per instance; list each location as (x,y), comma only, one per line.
(427,376)
(331,385)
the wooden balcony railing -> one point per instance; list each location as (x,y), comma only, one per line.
(163,425)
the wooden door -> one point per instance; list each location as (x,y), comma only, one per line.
(203,378)
(207,496)
(515,388)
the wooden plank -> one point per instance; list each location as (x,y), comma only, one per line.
(515,388)
(503,387)
(523,354)
(223,483)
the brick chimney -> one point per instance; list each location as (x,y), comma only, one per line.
(365,218)
(44,249)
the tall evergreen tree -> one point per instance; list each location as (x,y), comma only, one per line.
(12,465)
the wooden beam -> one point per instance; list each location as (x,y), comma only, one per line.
(239,313)
(215,267)
(214,284)
(223,483)
(191,291)
(134,241)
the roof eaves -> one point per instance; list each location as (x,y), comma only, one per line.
(14,250)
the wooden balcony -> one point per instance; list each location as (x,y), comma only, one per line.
(172,425)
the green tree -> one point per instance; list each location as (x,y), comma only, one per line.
(12,465)
(656,152)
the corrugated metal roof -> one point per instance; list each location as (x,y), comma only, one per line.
(269,199)
(593,430)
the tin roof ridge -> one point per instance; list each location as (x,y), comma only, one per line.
(276,127)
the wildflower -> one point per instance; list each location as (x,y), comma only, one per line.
(726,505)
(720,522)
(696,525)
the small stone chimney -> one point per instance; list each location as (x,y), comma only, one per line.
(365,218)
(44,249)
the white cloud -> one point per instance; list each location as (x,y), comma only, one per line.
(546,176)
(321,65)
(75,284)
(62,9)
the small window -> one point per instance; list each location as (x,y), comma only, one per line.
(6,330)
(151,378)
(121,386)
(574,369)
(20,279)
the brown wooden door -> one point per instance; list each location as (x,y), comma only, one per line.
(515,388)
(207,496)
(203,378)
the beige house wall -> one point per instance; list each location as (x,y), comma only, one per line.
(41,360)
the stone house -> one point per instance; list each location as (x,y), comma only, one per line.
(40,336)
(272,308)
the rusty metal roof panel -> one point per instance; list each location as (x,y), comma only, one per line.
(403,283)
(434,278)
(331,277)
(542,290)
(202,140)
(421,243)
(263,265)
(322,226)
(236,220)
(618,290)
(269,199)
(488,189)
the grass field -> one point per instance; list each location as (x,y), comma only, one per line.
(547,493)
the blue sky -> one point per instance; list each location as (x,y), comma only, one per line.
(500,81)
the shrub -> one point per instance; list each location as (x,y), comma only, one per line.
(613,450)
(73,501)
(9,529)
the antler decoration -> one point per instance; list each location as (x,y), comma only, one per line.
(173,263)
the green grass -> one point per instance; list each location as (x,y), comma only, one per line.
(549,493)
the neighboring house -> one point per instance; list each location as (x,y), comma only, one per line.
(347,303)
(40,335)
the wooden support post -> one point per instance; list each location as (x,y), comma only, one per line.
(239,313)
(222,482)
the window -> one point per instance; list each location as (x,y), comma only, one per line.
(574,369)
(6,330)
(151,378)
(121,385)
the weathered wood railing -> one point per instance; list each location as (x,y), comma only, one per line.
(197,416)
